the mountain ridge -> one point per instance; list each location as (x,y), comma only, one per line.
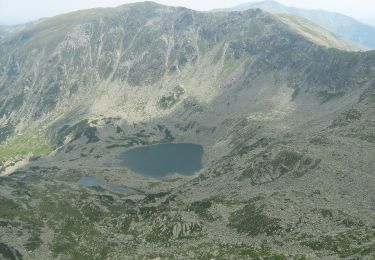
(25,36)
(344,26)
(286,126)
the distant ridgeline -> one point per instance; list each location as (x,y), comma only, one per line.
(347,28)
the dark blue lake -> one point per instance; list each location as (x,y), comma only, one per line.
(159,160)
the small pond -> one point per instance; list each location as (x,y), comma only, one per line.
(159,160)
(89,181)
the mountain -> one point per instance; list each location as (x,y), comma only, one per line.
(283,111)
(7,29)
(369,22)
(344,26)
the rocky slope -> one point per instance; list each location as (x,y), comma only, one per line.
(286,124)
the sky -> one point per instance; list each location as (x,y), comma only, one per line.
(21,11)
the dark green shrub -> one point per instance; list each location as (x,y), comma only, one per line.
(253,221)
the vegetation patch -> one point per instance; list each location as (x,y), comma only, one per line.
(119,130)
(119,145)
(167,102)
(34,241)
(286,161)
(368,137)
(230,66)
(261,143)
(295,93)
(351,243)
(155,196)
(201,208)
(326,96)
(254,221)
(347,118)
(248,252)
(5,132)
(193,104)
(319,140)
(207,250)
(9,252)
(29,143)
(76,131)
(267,168)
(326,213)
(353,114)
(160,234)
(9,209)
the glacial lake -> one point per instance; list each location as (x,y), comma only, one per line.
(159,160)
(89,181)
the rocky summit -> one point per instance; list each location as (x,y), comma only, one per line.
(280,111)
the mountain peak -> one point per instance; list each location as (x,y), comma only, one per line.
(261,4)
(142,4)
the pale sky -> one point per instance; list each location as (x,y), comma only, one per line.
(20,11)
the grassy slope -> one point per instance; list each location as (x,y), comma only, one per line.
(314,33)
(30,142)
